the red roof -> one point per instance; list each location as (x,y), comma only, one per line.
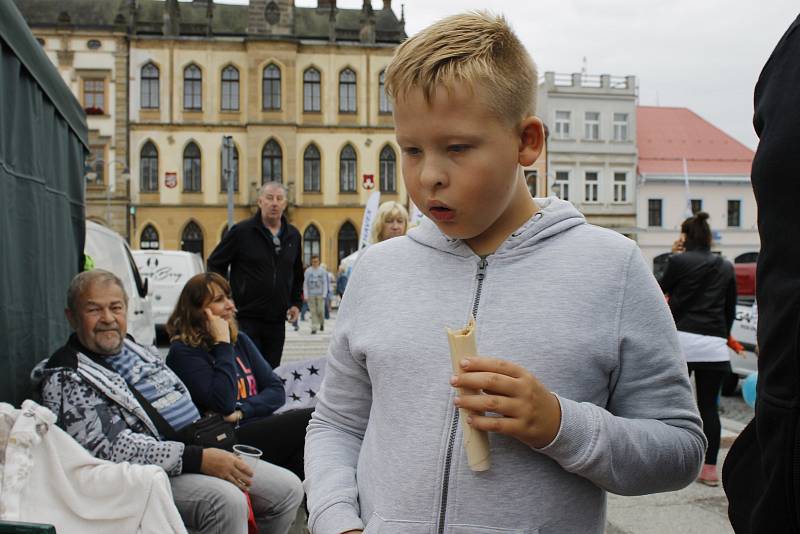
(665,136)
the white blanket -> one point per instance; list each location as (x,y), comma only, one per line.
(48,477)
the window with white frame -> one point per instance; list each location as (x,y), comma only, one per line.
(384,102)
(192,88)
(312,90)
(654,212)
(562,124)
(620,187)
(271,88)
(734,213)
(230,88)
(591,126)
(149,87)
(620,126)
(561,185)
(591,182)
(347,170)
(347,91)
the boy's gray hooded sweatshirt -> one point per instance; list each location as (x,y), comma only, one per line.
(575,305)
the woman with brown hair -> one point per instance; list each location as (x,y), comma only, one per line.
(226,374)
(701,287)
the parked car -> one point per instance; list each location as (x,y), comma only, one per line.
(109,251)
(744,331)
(166,271)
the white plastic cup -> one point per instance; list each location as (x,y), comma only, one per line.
(249,454)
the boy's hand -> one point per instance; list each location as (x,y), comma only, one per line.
(528,411)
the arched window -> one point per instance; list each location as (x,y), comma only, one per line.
(388,166)
(271,162)
(192,238)
(148,168)
(347,91)
(149,238)
(347,170)
(312,90)
(234,165)
(311,243)
(384,102)
(311,170)
(149,87)
(192,177)
(192,88)
(347,241)
(230,88)
(271,88)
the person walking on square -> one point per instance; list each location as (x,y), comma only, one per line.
(263,255)
(316,287)
(701,287)
(575,411)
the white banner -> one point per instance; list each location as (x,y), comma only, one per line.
(415,216)
(369,216)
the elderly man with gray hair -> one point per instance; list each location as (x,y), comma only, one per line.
(99,385)
(264,255)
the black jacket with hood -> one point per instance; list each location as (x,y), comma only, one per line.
(264,284)
(762,471)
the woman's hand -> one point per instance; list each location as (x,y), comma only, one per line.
(218,327)
(678,246)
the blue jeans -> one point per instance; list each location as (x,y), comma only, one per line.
(210,505)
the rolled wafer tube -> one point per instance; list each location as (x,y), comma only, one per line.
(476,442)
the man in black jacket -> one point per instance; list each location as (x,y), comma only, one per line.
(266,271)
(762,471)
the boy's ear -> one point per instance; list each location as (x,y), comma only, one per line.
(531,140)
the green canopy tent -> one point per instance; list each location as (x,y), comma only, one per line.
(43,145)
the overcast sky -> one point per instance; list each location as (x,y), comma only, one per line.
(701,54)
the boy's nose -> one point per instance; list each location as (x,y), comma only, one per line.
(432,175)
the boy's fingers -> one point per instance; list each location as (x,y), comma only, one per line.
(500,425)
(506,406)
(494,365)
(486,381)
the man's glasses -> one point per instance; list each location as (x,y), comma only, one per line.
(277,243)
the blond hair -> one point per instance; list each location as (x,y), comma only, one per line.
(386,211)
(476,48)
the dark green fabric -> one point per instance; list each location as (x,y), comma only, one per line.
(14,31)
(42,221)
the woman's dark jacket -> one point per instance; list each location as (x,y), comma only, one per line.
(702,292)
(216,379)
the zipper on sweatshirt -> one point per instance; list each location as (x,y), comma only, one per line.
(448,459)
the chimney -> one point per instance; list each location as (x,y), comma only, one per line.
(326,4)
(387,5)
(172,18)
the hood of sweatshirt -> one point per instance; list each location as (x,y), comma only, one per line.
(554,216)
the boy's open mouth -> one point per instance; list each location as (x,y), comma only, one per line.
(442,213)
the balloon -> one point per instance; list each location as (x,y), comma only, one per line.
(749,389)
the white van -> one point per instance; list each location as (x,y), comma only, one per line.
(166,271)
(109,251)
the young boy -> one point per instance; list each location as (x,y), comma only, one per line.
(583,384)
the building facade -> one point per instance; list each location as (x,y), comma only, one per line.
(90,49)
(688,165)
(298,90)
(592,145)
